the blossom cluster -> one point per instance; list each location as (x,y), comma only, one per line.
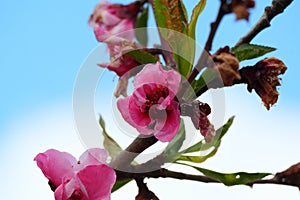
(158,102)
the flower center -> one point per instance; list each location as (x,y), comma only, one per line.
(155,95)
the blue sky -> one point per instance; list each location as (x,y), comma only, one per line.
(44,43)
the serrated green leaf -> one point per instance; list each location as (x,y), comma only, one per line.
(141,56)
(174,146)
(202,146)
(230,179)
(250,51)
(119,184)
(141,33)
(109,144)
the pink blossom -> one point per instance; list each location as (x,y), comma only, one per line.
(86,179)
(152,109)
(114,19)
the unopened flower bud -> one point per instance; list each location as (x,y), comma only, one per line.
(198,112)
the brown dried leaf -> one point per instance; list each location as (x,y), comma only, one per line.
(241,12)
(240,8)
(228,66)
(263,78)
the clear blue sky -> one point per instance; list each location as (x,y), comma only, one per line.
(43,44)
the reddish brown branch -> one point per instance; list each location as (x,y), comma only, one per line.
(224,9)
(204,58)
(144,192)
(277,7)
(124,159)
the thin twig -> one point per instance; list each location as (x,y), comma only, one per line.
(223,10)
(277,7)
(165,173)
(144,192)
(202,62)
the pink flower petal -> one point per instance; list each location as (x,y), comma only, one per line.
(155,74)
(124,29)
(171,125)
(109,19)
(123,106)
(59,193)
(138,117)
(93,156)
(129,115)
(98,181)
(130,112)
(70,189)
(56,165)
(101,33)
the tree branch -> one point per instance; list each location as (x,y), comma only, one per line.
(165,173)
(124,159)
(144,192)
(201,63)
(224,9)
(277,7)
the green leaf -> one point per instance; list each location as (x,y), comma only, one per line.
(173,147)
(141,56)
(249,51)
(230,179)
(194,18)
(206,77)
(199,159)
(141,33)
(219,135)
(183,8)
(170,14)
(171,19)
(191,33)
(202,146)
(114,149)
(109,144)
(119,184)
